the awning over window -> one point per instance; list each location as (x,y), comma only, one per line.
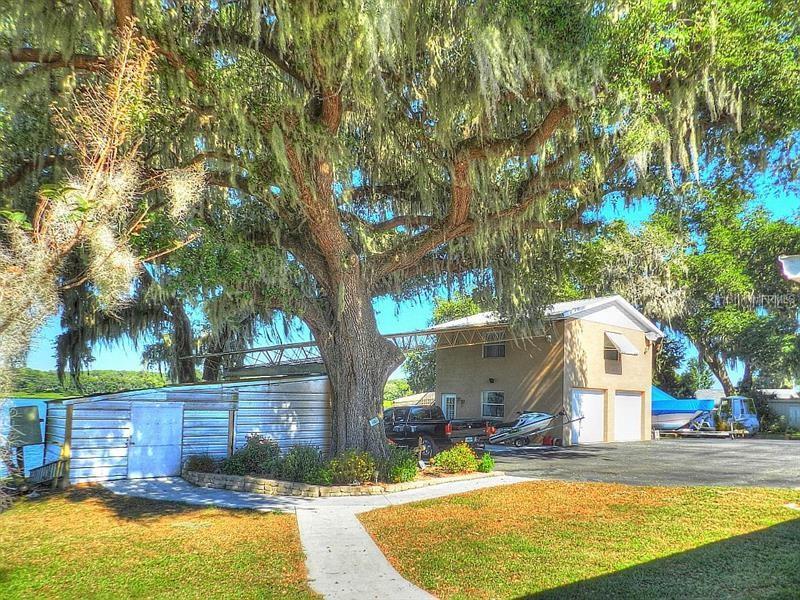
(621,343)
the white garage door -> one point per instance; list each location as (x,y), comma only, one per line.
(589,404)
(628,416)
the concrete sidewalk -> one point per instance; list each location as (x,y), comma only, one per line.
(342,560)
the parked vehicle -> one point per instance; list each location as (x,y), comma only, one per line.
(735,413)
(732,416)
(411,426)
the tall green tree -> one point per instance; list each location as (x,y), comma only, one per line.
(705,265)
(668,365)
(399,145)
(740,308)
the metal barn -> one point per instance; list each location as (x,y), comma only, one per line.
(149,433)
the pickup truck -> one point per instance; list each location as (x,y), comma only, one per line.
(410,426)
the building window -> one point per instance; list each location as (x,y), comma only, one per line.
(493,405)
(611,353)
(494,351)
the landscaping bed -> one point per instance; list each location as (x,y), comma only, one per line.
(577,540)
(89,543)
(277,487)
(260,467)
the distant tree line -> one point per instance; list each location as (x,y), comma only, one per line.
(32,381)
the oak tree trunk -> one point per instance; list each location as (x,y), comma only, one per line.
(358,360)
(182,340)
(746,385)
(717,365)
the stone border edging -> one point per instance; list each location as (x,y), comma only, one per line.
(277,487)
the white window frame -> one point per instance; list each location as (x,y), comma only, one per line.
(494,344)
(445,398)
(484,403)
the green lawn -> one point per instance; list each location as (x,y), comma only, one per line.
(585,540)
(88,543)
(40,396)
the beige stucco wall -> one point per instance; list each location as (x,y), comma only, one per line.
(585,367)
(540,374)
(531,375)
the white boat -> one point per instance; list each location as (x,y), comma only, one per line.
(669,414)
(528,425)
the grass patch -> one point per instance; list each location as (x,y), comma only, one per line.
(578,540)
(89,543)
(795,435)
(40,396)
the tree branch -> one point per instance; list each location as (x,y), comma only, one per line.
(283,61)
(408,221)
(123,13)
(322,214)
(526,144)
(84,62)
(26,168)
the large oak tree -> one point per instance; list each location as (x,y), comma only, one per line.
(387,146)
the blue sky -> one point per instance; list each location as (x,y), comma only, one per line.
(393,317)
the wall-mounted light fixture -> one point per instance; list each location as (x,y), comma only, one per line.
(491,379)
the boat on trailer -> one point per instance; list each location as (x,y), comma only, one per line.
(527,426)
(670,414)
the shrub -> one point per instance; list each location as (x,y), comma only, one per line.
(401,466)
(259,455)
(234,465)
(353,467)
(459,459)
(202,463)
(303,464)
(486,463)
(324,476)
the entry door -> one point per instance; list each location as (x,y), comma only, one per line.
(591,405)
(628,416)
(449,406)
(154,449)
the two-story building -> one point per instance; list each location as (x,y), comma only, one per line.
(594,361)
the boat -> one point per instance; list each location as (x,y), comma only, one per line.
(669,413)
(527,426)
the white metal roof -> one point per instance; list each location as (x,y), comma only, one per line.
(558,311)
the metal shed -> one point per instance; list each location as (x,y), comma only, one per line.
(149,433)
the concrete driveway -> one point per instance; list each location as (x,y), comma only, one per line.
(748,462)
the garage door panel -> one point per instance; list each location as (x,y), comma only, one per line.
(589,412)
(628,416)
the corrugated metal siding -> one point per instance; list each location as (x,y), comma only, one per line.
(205,432)
(55,428)
(100,432)
(789,410)
(291,412)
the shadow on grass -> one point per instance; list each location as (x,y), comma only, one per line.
(762,564)
(123,507)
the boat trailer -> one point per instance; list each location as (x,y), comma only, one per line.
(528,425)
